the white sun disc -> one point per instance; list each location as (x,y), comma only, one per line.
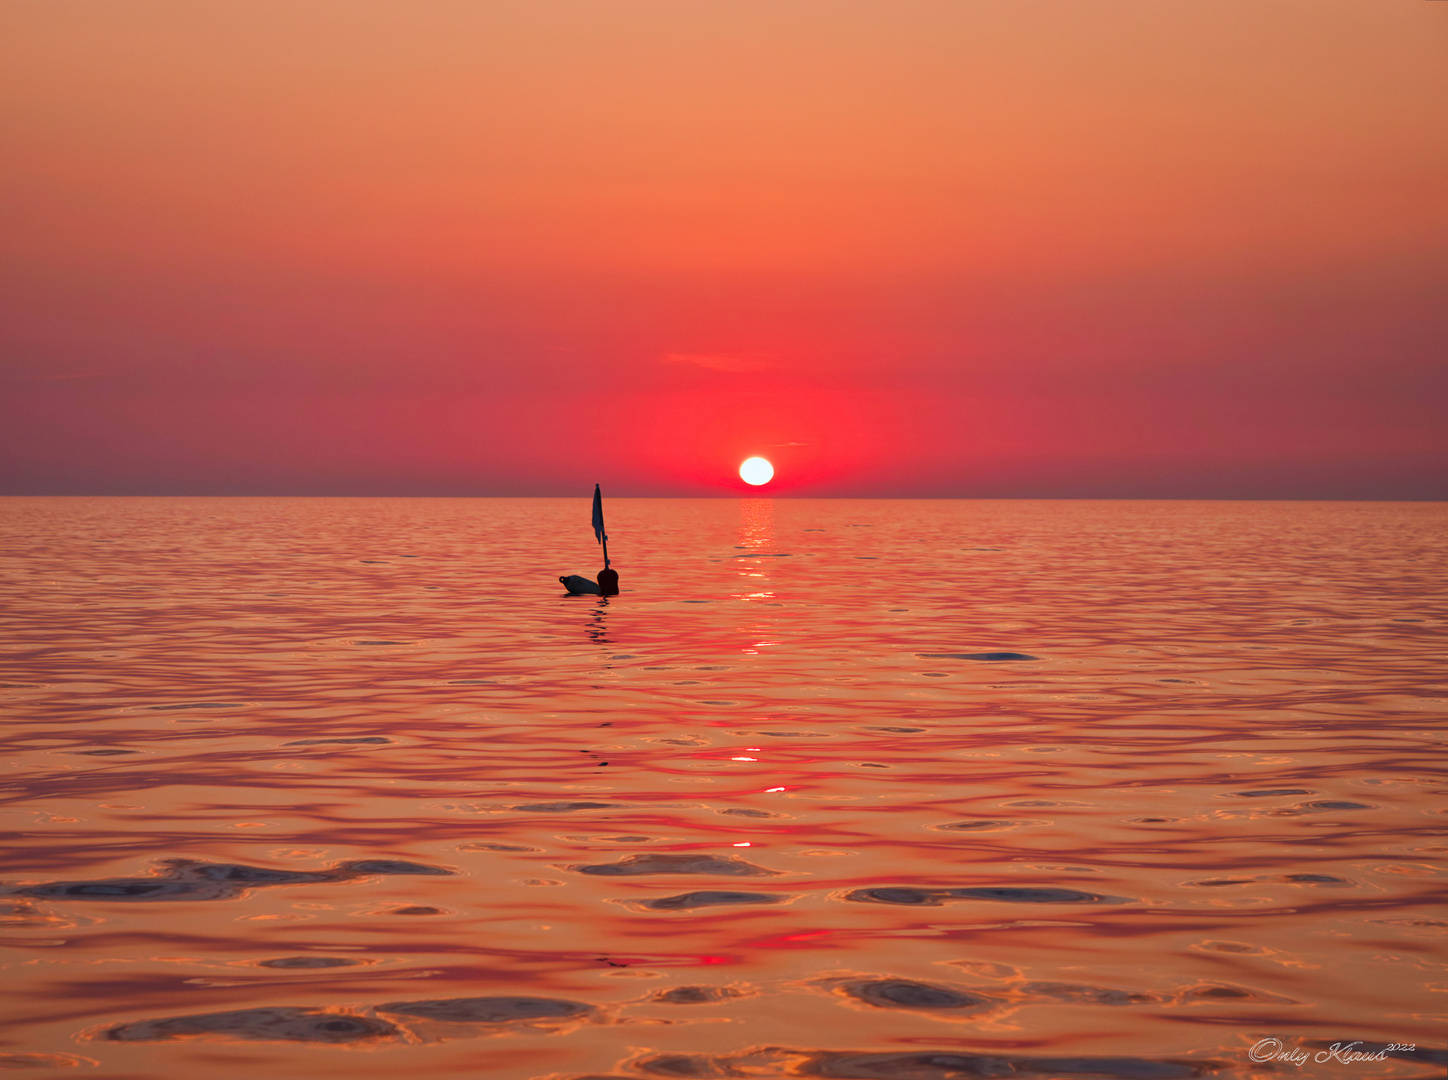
(756,471)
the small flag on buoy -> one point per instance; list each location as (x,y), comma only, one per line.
(598,534)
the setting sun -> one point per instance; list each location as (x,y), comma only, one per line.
(756,471)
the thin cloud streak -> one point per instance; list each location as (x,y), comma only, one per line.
(736,363)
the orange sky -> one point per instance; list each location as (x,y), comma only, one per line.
(966,247)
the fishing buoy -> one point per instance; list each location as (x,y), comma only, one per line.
(607,583)
(607,577)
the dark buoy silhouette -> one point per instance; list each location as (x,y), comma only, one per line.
(578,585)
(607,583)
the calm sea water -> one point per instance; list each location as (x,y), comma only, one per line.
(868,790)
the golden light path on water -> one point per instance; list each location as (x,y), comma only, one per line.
(853,789)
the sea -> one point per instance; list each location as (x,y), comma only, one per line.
(852,789)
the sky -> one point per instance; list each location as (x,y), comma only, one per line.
(905,248)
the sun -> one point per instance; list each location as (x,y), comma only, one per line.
(756,471)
